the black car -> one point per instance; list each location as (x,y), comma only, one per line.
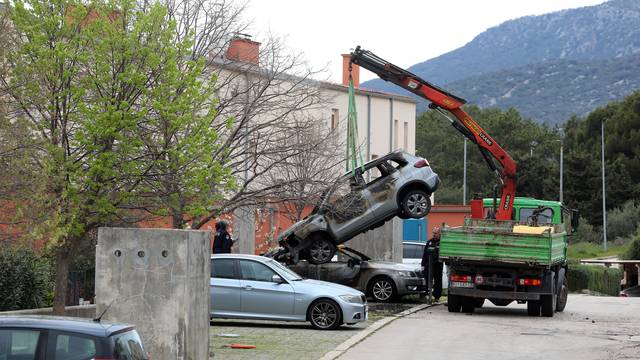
(55,338)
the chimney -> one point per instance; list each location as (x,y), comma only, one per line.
(355,71)
(243,49)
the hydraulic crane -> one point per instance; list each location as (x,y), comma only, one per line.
(441,100)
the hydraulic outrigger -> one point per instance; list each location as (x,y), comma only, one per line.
(441,100)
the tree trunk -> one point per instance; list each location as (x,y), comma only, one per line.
(63,259)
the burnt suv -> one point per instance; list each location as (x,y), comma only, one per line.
(397,184)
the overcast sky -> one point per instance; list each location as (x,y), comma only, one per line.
(403,32)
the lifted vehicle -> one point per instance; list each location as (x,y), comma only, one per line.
(397,184)
(381,280)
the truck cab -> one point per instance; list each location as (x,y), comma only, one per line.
(553,212)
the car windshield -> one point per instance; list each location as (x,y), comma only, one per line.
(129,346)
(286,272)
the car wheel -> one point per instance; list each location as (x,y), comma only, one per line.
(563,293)
(382,289)
(321,250)
(416,204)
(325,314)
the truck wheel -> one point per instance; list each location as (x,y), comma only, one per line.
(416,204)
(478,302)
(547,305)
(533,308)
(454,303)
(563,293)
(321,250)
(468,305)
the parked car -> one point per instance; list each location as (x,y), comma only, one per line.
(41,337)
(381,280)
(412,255)
(256,287)
(397,184)
(633,291)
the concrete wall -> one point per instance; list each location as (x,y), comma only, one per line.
(244,230)
(157,280)
(383,243)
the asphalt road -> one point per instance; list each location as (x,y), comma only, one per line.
(590,328)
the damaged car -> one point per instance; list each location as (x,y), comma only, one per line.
(397,184)
(382,281)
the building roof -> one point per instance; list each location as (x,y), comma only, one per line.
(369,92)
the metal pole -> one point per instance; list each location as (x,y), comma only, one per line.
(604,190)
(464,174)
(561,168)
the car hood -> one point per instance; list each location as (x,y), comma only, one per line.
(324,286)
(388,265)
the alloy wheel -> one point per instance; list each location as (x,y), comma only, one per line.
(382,290)
(321,251)
(324,314)
(418,204)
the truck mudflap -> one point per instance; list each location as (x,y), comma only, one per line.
(488,294)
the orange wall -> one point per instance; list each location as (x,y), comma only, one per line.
(451,215)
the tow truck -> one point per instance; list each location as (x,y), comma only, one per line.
(498,254)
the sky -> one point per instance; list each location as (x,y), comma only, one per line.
(402,32)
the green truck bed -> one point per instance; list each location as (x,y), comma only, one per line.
(494,241)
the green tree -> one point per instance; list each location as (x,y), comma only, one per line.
(100,83)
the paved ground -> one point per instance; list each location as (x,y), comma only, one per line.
(590,328)
(280,340)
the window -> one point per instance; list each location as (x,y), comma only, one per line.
(335,118)
(412,251)
(74,347)
(223,268)
(18,344)
(129,346)
(252,270)
(545,217)
(405,134)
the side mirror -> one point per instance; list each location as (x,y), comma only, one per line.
(277,279)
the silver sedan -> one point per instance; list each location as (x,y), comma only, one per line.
(256,287)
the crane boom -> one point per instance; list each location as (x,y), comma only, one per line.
(442,100)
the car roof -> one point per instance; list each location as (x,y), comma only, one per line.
(62,323)
(241,256)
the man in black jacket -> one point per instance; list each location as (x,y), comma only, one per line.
(222,242)
(430,255)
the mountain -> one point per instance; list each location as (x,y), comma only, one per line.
(592,38)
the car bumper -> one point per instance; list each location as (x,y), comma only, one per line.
(354,313)
(407,286)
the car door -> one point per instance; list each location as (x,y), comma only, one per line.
(224,287)
(22,343)
(261,297)
(381,185)
(348,209)
(67,346)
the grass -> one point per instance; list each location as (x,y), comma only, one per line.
(585,250)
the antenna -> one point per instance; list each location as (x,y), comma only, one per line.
(104,311)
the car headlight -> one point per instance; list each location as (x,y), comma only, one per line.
(407,273)
(355,299)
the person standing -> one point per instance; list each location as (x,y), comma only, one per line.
(430,256)
(222,241)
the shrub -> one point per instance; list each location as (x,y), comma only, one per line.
(586,232)
(25,279)
(622,222)
(596,278)
(632,252)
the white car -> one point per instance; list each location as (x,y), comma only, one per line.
(412,255)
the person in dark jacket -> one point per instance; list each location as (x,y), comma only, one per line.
(222,242)
(431,254)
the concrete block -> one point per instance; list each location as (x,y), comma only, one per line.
(383,243)
(157,280)
(244,230)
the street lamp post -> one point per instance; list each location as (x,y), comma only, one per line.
(604,190)
(561,141)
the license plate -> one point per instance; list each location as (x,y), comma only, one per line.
(461,284)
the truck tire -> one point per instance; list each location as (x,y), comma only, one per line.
(454,303)
(478,302)
(533,308)
(468,305)
(563,294)
(547,305)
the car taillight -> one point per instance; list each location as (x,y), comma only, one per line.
(421,163)
(461,278)
(529,282)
